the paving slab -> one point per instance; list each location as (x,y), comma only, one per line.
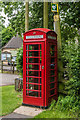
(30,111)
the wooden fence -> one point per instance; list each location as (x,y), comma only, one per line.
(9,68)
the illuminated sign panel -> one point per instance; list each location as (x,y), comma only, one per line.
(52,37)
(35,36)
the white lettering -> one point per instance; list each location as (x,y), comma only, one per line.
(35,36)
(51,37)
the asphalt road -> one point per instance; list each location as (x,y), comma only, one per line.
(7,79)
(15,116)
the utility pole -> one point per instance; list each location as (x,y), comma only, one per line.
(45,13)
(26,16)
(57,30)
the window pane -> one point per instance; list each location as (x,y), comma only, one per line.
(9,57)
(52,53)
(26,47)
(33,60)
(33,47)
(33,80)
(33,73)
(33,67)
(52,92)
(52,66)
(3,56)
(34,54)
(34,87)
(33,93)
(52,60)
(52,47)
(52,85)
(52,72)
(26,86)
(26,92)
(26,79)
(52,79)
(27,54)
(40,73)
(40,80)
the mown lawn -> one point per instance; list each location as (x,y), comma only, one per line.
(10,99)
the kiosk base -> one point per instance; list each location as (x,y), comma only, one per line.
(43,107)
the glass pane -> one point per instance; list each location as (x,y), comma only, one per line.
(9,57)
(26,47)
(33,73)
(52,79)
(26,79)
(34,87)
(40,80)
(33,67)
(52,72)
(34,54)
(52,85)
(33,60)
(33,93)
(52,60)
(26,92)
(26,86)
(33,80)
(52,53)
(34,47)
(26,66)
(3,57)
(26,73)
(40,94)
(52,47)
(52,66)
(40,73)
(52,92)
(27,54)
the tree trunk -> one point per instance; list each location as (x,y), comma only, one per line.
(26,16)
(60,64)
(45,14)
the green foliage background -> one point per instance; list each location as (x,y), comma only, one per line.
(69,23)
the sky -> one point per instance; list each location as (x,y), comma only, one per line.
(6,20)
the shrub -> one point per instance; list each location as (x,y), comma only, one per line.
(66,104)
(20,61)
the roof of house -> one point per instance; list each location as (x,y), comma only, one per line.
(14,43)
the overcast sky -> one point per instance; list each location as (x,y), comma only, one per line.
(6,20)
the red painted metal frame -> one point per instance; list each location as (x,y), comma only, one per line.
(46,43)
(38,101)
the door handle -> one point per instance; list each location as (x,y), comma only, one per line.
(42,67)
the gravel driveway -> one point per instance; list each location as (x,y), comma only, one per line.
(7,79)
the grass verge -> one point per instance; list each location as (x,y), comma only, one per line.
(54,114)
(65,107)
(10,99)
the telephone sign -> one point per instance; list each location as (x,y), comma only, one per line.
(54,7)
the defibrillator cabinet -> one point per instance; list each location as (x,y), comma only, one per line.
(39,67)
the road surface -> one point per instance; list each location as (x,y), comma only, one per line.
(7,79)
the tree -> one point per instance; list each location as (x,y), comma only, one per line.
(20,61)
(7,34)
(15,12)
(69,12)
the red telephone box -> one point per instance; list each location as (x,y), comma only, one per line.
(39,67)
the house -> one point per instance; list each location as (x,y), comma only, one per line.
(11,48)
